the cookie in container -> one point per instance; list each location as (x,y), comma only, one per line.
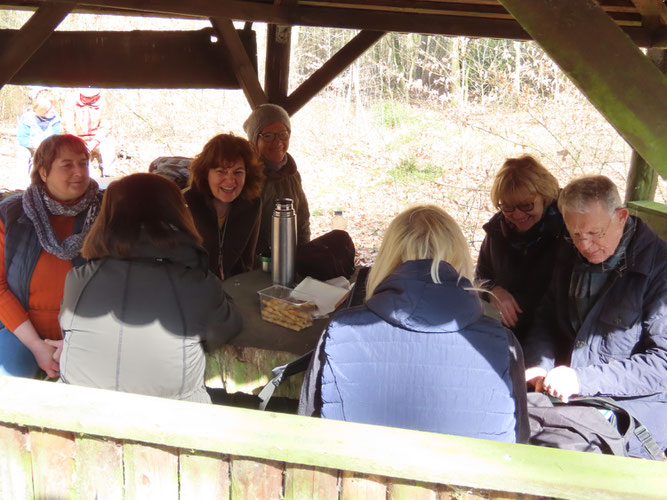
(285,307)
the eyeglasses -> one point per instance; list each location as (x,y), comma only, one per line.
(592,236)
(524,207)
(271,136)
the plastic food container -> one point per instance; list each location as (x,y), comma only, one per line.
(285,307)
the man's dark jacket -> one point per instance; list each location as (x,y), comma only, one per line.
(621,348)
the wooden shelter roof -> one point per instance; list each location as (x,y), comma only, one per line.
(645,21)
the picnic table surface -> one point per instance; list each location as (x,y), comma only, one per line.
(262,334)
(245,363)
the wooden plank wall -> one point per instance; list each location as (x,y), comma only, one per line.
(78,442)
(50,464)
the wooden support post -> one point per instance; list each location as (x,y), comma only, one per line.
(332,68)
(642,179)
(606,66)
(243,68)
(30,37)
(276,78)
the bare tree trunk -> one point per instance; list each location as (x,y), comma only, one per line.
(294,76)
(348,94)
(357,90)
(517,68)
(456,79)
(464,71)
(557,76)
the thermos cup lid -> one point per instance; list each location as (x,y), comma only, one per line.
(284,203)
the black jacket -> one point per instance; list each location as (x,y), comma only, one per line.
(239,236)
(520,263)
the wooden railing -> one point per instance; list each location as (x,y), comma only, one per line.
(59,441)
(653,213)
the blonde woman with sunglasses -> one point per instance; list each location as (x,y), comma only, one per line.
(516,256)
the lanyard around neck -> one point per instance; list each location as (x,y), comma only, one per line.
(221,240)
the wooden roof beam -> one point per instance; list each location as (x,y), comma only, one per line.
(620,81)
(30,37)
(306,15)
(654,13)
(330,69)
(654,20)
(409,20)
(241,63)
(131,59)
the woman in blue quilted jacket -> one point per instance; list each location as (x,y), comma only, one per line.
(420,354)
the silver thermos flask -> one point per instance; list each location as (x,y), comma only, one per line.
(283,239)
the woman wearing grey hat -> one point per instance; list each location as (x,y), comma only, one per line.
(268,127)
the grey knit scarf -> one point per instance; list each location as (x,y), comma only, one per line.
(37,205)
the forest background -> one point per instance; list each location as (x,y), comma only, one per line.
(416,119)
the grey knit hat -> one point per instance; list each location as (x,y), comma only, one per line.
(262,116)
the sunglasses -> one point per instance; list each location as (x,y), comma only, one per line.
(524,207)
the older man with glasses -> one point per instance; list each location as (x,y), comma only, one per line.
(602,326)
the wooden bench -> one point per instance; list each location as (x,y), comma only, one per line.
(61,441)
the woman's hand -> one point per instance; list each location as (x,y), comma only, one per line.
(58,344)
(45,357)
(509,309)
(535,377)
(43,352)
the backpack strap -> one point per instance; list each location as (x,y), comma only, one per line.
(280,373)
(639,430)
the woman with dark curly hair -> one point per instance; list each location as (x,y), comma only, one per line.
(226,181)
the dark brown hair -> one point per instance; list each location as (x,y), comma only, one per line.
(134,204)
(48,150)
(231,148)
